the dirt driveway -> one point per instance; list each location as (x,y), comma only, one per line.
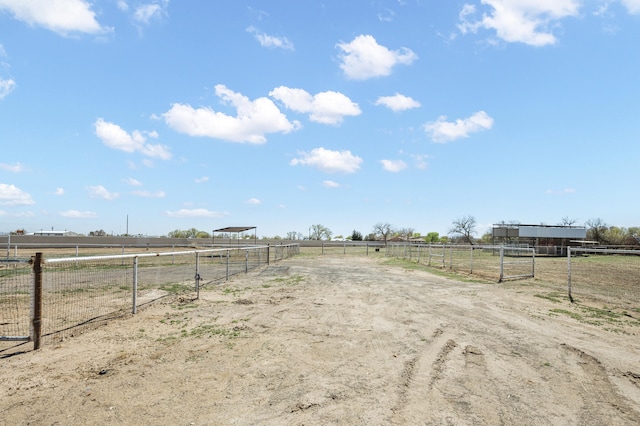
(338,340)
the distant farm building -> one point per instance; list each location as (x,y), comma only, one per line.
(550,240)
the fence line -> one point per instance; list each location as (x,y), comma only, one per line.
(608,275)
(85,291)
(493,262)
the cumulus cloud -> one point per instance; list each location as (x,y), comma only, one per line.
(14,168)
(443,131)
(116,137)
(6,87)
(398,102)
(76,214)
(331,184)
(253,120)
(364,58)
(253,201)
(325,107)
(147,12)
(194,213)
(133,182)
(100,191)
(523,21)
(202,179)
(59,191)
(10,195)
(393,165)
(329,161)
(266,40)
(60,16)
(149,194)
(633,6)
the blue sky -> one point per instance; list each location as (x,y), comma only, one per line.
(285,114)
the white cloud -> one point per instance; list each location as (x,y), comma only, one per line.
(443,131)
(123,6)
(202,179)
(266,40)
(116,137)
(60,16)
(397,102)
(253,121)
(75,214)
(6,87)
(524,21)
(633,6)
(59,191)
(331,184)
(421,161)
(149,194)
(10,195)
(393,165)
(253,201)
(364,58)
(100,191)
(329,161)
(144,13)
(195,213)
(133,182)
(14,168)
(325,107)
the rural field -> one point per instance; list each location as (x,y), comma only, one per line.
(333,339)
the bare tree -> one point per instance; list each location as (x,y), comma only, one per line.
(384,230)
(596,230)
(406,233)
(465,227)
(567,221)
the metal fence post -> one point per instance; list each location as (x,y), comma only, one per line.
(36,302)
(471,264)
(227,276)
(501,263)
(134,297)
(246,261)
(197,276)
(569,273)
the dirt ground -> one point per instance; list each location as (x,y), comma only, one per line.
(338,340)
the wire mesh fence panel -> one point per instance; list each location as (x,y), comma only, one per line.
(78,294)
(611,277)
(15,288)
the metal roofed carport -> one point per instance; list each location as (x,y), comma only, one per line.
(235,230)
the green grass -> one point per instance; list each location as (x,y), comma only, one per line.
(414,266)
(289,281)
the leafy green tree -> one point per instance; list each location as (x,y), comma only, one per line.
(320,232)
(356,236)
(432,237)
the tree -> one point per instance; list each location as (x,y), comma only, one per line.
(405,233)
(356,236)
(596,230)
(567,221)
(432,237)
(320,232)
(383,230)
(465,227)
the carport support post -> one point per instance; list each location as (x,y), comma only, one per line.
(36,301)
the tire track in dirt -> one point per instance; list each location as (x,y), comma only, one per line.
(421,371)
(611,407)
